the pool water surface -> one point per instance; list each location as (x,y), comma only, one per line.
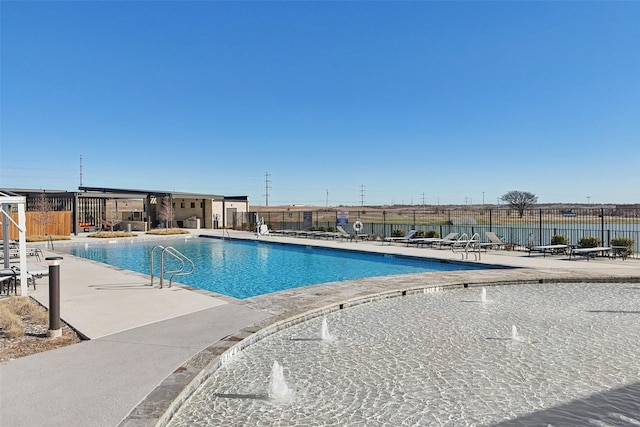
(243,269)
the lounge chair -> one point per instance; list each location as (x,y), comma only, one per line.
(407,237)
(462,241)
(14,252)
(553,249)
(343,233)
(590,252)
(34,272)
(494,241)
(430,241)
(450,239)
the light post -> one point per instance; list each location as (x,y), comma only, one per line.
(55,328)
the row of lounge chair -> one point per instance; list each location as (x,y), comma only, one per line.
(340,233)
(451,240)
(588,253)
(455,241)
(14,251)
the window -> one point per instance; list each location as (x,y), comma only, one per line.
(193,205)
(181,205)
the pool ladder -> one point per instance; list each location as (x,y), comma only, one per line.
(186,265)
(469,246)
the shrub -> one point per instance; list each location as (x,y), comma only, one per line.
(398,233)
(112,234)
(559,239)
(167,231)
(589,242)
(624,241)
(426,233)
(46,238)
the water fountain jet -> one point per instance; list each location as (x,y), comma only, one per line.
(514,334)
(324,331)
(278,388)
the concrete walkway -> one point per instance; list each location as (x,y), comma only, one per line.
(143,338)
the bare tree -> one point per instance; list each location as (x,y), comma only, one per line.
(165,212)
(520,200)
(44,211)
(110,216)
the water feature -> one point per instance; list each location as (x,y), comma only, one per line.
(514,333)
(435,359)
(278,388)
(324,331)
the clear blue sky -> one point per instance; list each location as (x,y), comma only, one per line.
(339,102)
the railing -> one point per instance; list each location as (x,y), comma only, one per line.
(182,259)
(533,227)
(464,243)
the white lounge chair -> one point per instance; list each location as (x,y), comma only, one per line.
(450,239)
(408,236)
(343,233)
(430,241)
(552,249)
(590,252)
(494,241)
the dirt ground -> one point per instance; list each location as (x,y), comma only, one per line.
(35,339)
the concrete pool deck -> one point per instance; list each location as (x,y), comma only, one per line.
(147,343)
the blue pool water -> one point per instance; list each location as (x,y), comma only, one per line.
(244,269)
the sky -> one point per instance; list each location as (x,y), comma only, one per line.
(324,102)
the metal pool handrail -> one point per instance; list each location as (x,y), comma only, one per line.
(182,258)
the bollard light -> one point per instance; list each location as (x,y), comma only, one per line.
(55,327)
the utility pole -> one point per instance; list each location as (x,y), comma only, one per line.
(267,187)
(327,200)
(80,170)
(362,195)
(423,199)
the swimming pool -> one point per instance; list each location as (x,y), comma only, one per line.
(245,268)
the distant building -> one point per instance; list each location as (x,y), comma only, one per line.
(95,208)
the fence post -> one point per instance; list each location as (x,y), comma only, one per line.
(540,228)
(490,219)
(602,225)
(384,224)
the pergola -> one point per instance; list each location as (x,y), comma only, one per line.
(7,200)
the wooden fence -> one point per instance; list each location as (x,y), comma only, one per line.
(42,224)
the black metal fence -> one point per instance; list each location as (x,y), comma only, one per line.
(533,227)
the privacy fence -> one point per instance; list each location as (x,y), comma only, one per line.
(533,227)
(42,224)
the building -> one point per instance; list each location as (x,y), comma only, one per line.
(96,208)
